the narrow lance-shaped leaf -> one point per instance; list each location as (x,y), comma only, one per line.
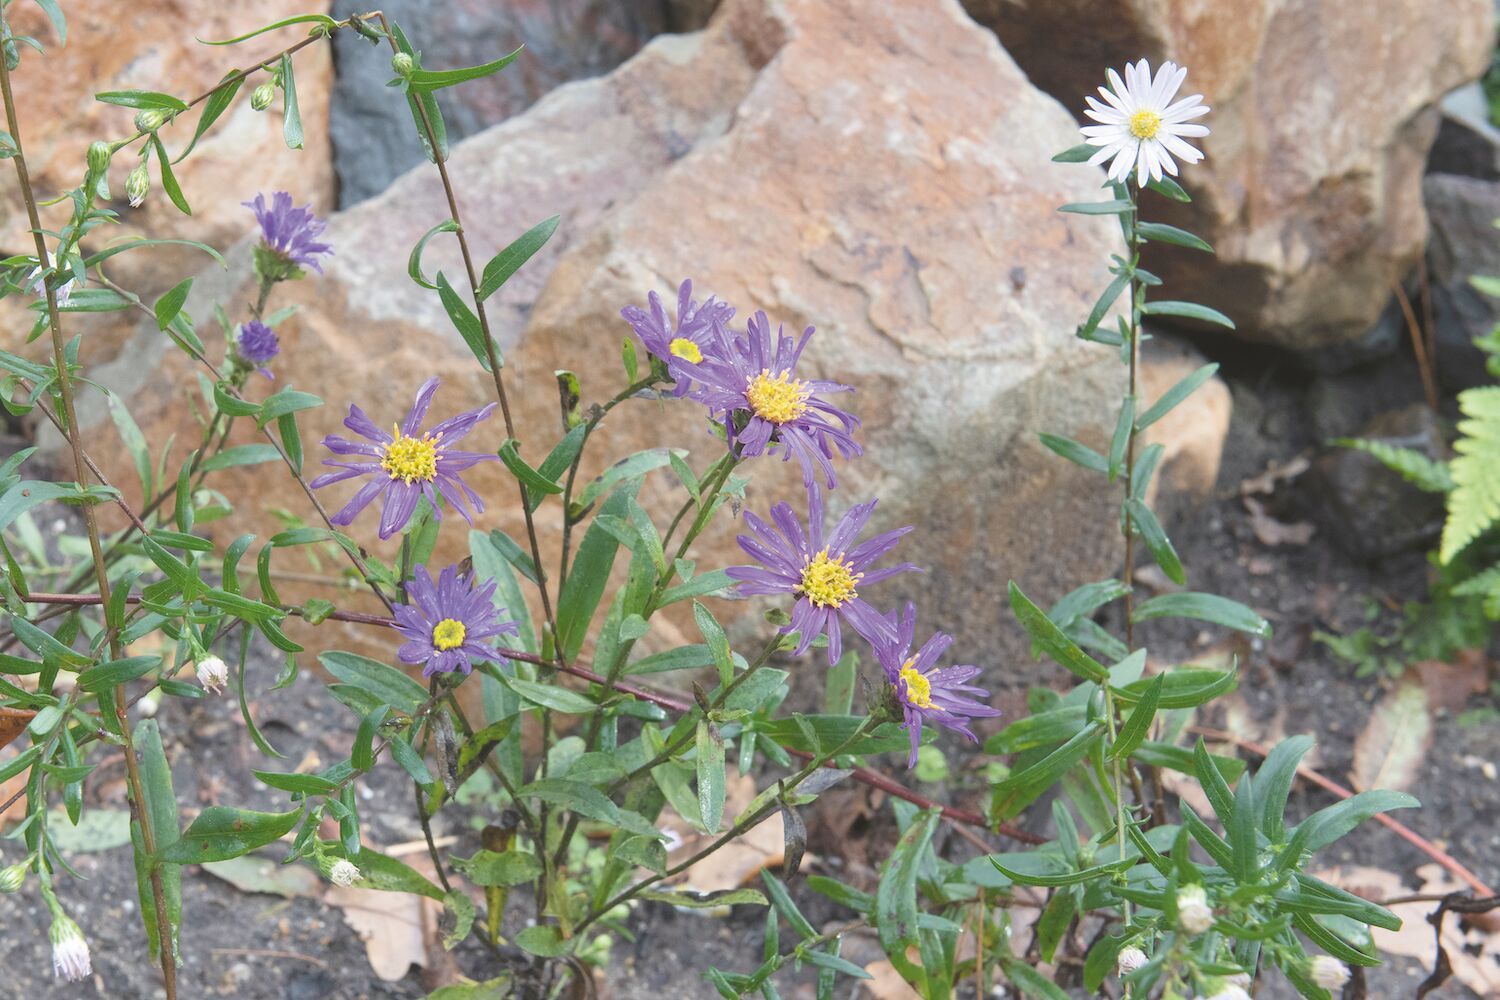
(291,117)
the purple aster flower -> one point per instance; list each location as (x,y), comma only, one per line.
(444,622)
(754,377)
(290,233)
(824,573)
(924,693)
(403,466)
(256,345)
(695,336)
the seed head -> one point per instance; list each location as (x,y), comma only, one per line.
(1129,960)
(344,873)
(1194,915)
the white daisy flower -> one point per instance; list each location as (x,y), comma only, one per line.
(212,673)
(1141,128)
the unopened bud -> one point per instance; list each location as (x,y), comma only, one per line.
(150,119)
(402,65)
(12,878)
(137,185)
(212,674)
(1328,972)
(1129,960)
(1194,915)
(99,154)
(70,952)
(344,873)
(262,96)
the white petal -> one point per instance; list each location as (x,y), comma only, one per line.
(1108,116)
(1113,99)
(1121,92)
(1180,148)
(1180,129)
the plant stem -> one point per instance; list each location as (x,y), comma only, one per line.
(91,522)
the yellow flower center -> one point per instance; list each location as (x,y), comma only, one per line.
(448,634)
(779,399)
(411,458)
(828,583)
(685,349)
(1145,124)
(918,687)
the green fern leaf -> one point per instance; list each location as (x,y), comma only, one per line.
(1474,504)
(1410,464)
(1485,585)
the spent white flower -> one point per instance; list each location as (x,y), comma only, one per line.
(1141,128)
(1194,915)
(344,873)
(212,674)
(1328,972)
(70,952)
(36,284)
(1129,960)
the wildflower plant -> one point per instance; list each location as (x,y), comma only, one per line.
(576,845)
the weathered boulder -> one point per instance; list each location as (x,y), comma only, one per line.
(564,40)
(1323,112)
(879,171)
(114,46)
(1464,243)
(1468,143)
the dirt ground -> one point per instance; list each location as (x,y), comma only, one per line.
(255,945)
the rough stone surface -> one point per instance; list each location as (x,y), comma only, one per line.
(1193,433)
(1464,243)
(1323,113)
(1467,142)
(883,176)
(564,39)
(114,46)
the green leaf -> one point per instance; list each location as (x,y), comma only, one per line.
(1408,463)
(424,108)
(1022,787)
(1157,542)
(710,584)
(136,243)
(1118,207)
(543,940)
(587,578)
(170,304)
(1187,310)
(221,832)
(466,323)
(1160,233)
(710,775)
(830,730)
(161,816)
(291,117)
(559,699)
(500,868)
(148,99)
(362,756)
(490,563)
(168,178)
(1327,825)
(107,675)
(378,871)
(426,79)
(585,801)
(1167,186)
(1182,390)
(1051,639)
(1204,607)
(385,683)
(1040,730)
(787,907)
(508,261)
(1188,687)
(704,900)
(216,105)
(896,896)
(243,454)
(1081,153)
(298,784)
(323,21)
(285,402)
(717,642)
(1474,504)
(1068,878)
(1215,785)
(1123,422)
(1138,726)
(1273,783)
(414,260)
(528,476)
(1031,983)
(1076,453)
(1096,315)
(626,469)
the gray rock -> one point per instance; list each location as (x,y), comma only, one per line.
(1467,143)
(1464,242)
(373,136)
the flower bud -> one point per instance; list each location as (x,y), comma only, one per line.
(1129,960)
(402,65)
(344,873)
(262,96)
(99,155)
(137,185)
(1194,915)
(70,952)
(212,674)
(1328,972)
(12,878)
(150,119)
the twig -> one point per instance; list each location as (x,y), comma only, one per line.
(1418,345)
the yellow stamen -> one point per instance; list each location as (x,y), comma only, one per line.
(685,349)
(1145,124)
(918,687)
(828,583)
(778,399)
(448,634)
(410,458)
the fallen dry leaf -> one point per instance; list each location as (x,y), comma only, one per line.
(1269,531)
(252,873)
(886,983)
(1266,481)
(1389,752)
(737,862)
(13,722)
(1474,953)
(389,923)
(1450,684)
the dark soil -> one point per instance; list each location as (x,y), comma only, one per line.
(255,946)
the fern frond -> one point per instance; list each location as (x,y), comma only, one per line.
(1487,586)
(1408,463)
(1474,503)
